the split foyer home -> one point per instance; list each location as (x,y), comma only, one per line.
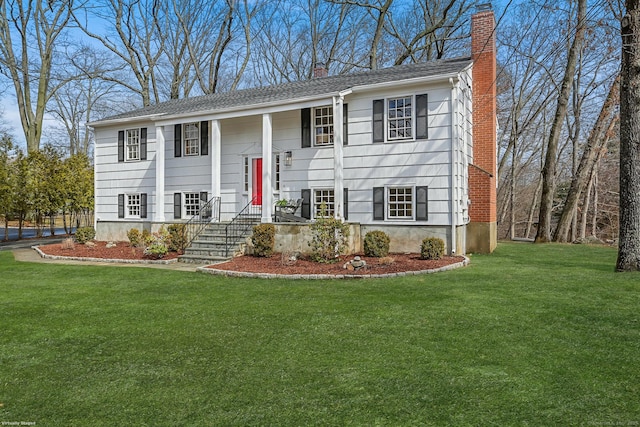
(410,150)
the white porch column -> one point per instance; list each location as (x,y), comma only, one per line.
(216,142)
(338,163)
(158,213)
(267,155)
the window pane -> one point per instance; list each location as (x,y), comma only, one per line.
(323,125)
(399,118)
(191,204)
(323,198)
(191,137)
(400,202)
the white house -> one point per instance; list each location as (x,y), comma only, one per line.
(391,149)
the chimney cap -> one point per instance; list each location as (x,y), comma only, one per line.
(483,7)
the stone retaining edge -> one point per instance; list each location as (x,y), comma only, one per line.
(230,273)
(114,261)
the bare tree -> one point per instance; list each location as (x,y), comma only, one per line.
(597,139)
(137,42)
(426,29)
(30,31)
(549,169)
(629,243)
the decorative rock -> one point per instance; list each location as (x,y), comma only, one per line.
(90,244)
(111,245)
(355,264)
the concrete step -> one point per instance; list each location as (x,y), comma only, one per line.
(201,259)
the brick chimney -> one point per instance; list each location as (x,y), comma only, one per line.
(482,229)
(320,70)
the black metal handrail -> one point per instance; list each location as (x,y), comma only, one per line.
(241,224)
(208,212)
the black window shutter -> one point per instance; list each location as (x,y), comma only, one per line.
(346,204)
(121,146)
(120,205)
(378,120)
(177,141)
(204,138)
(345,124)
(306,127)
(177,205)
(143,144)
(305,209)
(143,205)
(422,119)
(378,203)
(422,199)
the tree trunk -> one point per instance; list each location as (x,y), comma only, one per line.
(549,169)
(589,156)
(629,234)
(585,205)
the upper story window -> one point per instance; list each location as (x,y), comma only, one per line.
(403,118)
(132,144)
(323,125)
(400,118)
(191,139)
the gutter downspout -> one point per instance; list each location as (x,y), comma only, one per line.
(454,164)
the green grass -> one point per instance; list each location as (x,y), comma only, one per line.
(531,335)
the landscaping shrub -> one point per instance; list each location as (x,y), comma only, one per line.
(84,234)
(376,244)
(147,238)
(329,238)
(263,239)
(432,248)
(157,246)
(135,238)
(177,237)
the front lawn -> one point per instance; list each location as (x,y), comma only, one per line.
(531,335)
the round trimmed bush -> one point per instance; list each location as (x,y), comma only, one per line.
(432,248)
(376,244)
(84,234)
(263,239)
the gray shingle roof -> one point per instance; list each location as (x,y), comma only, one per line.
(219,102)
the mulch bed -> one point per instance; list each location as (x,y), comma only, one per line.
(281,264)
(122,250)
(275,264)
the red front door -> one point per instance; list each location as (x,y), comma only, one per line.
(256,184)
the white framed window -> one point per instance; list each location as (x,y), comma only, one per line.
(132,144)
(245,173)
(191,138)
(191,204)
(323,126)
(400,202)
(133,205)
(400,118)
(323,198)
